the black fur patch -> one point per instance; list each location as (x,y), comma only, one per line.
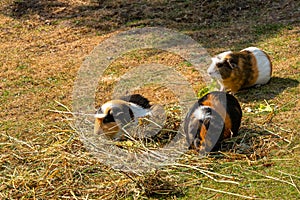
(137,99)
(108,118)
(131,114)
(233,60)
(225,69)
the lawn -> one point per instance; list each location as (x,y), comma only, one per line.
(44,43)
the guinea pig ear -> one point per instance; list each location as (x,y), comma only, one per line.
(231,63)
(99,116)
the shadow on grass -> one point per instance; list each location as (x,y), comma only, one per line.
(227,23)
(266,92)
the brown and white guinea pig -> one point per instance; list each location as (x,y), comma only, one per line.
(214,117)
(237,70)
(113,115)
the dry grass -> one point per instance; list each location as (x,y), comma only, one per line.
(43,44)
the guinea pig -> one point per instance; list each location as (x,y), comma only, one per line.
(113,115)
(214,117)
(237,70)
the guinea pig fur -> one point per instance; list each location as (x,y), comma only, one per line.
(114,114)
(214,117)
(237,70)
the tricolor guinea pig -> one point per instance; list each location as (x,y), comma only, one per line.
(237,70)
(113,115)
(214,117)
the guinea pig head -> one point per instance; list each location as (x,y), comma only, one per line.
(111,117)
(204,128)
(222,65)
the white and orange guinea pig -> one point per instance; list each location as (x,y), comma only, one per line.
(113,115)
(237,70)
(214,117)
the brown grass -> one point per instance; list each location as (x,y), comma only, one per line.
(43,44)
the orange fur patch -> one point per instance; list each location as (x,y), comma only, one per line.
(237,79)
(110,129)
(219,108)
(234,84)
(203,132)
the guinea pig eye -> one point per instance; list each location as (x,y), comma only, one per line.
(109,118)
(219,65)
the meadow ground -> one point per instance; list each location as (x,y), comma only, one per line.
(44,43)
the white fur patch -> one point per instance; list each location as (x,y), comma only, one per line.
(263,65)
(107,106)
(200,114)
(139,111)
